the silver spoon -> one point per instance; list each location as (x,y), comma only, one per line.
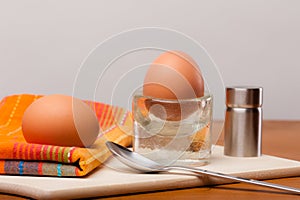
(143,164)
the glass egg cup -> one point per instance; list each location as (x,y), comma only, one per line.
(173,131)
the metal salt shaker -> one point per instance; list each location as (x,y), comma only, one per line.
(243,121)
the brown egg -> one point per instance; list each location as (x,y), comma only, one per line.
(174,75)
(60,120)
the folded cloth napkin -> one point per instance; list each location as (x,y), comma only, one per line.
(21,158)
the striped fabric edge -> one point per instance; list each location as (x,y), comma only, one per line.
(36,168)
(42,168)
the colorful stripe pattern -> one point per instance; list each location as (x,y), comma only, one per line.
(21,158)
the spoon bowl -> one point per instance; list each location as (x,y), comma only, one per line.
(133,159)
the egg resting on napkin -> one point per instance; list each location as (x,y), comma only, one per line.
(21,158)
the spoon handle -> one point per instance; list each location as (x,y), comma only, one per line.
(239,179)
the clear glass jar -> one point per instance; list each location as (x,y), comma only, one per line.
(173,131)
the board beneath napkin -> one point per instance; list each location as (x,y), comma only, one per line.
(115,178)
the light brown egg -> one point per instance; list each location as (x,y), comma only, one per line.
(60,120)
(174,75)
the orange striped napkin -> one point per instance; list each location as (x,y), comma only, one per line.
(21,158)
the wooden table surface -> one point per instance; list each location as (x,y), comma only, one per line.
(280,138)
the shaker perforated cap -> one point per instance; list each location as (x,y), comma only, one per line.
(244,97)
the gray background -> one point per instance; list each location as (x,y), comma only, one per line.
(253,42)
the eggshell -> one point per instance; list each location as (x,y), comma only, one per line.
(60,120)
(171,111)
(174,75)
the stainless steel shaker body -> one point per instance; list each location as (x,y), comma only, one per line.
(243,121)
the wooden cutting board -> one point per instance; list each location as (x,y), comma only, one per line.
(115,178)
